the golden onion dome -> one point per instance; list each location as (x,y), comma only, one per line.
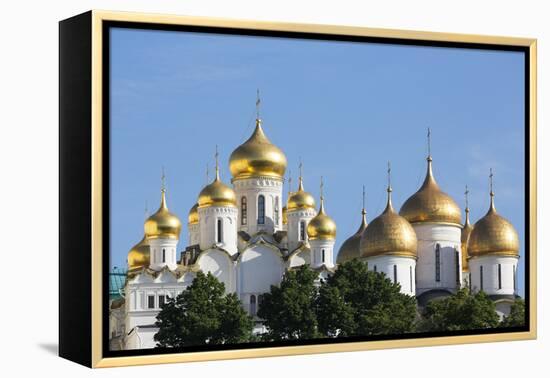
(217,194)
(389,234)
(300,199)
(193,217)
(350,249)
(257,157)
(493,235)
(430,204)
(285,215)
(139,255)
(464,236)
(321,226)
(162,224)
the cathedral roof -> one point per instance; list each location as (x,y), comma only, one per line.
(162,224)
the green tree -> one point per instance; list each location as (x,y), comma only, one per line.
(355,301)
(460,311)
(203,314)
(516,318)
(288,310)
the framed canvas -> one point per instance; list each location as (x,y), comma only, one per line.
(234,189)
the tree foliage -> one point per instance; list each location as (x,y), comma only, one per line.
(516,318)
(203,314)
(288,310)
(355,301)
(460,311)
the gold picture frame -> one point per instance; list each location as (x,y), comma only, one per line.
(95,21)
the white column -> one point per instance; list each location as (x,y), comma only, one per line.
(294,235)
(322,253)
(499,274)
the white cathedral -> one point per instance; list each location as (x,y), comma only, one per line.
(247,240)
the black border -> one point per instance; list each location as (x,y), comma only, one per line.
(107,25)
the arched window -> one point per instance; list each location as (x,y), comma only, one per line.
(261,209)
(302,233)
(437,263)
(244,211)
(276,210)
(252,304)
(375,268)
(220,231)
(323,255)
(395,274)
(163,255)
(481,277)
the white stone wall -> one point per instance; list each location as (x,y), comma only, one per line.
(220,265)
(252,188)
(490,264)
(193,234)
(405,269)
(293,227)
(300,258)
(166,247)
(208,221)
(448,238)
(258,267)
(317,248)
(141,338)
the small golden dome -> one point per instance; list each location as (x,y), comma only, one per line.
(429,204)
(139,255)
(350,249)
(300,199)
(217,194)
(465,235)
(162,224)
(389,234)
(493,235)
(257,157)
(285,215)
(193,217)
(321,226)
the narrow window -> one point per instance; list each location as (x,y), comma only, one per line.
(395,274)
(252,304)
(375,268)
(302,230)
(151,301)
(162,300)
(220,231)
(163,255)
(457,267)
(514,278)
(276,210)
(481,277)
(499,276)
(437,263)
(261,209)
(323,255)
(244,211)
(411,278)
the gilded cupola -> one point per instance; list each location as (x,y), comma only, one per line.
(493,234)
(257,157)
(430,204)
(162,224)
(321,227)
(285,215)
(465,235)
(350,249)
(389,234)
(139,255)
(217,193)
(193,217)
(300,199)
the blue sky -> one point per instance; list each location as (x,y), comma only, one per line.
(345,109)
